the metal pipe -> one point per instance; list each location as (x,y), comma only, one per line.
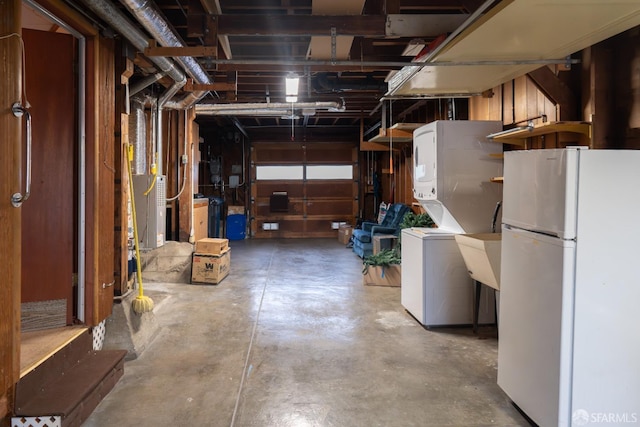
(144,83)
(153,21)
(385,64)
(153,128)
(430,96)
(186,102)
(213,109)
(137,38)
(138,136)
(528,127)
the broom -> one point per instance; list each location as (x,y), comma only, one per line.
(142,303)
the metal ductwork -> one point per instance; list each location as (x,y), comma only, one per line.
(137,38)
(139,86)
(321,83)
(138,136)
(106,11)
(266,109)
(154,22)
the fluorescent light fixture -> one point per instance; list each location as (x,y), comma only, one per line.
(291,88)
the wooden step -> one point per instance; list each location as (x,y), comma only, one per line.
(70,383)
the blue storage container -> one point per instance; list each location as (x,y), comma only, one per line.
(236,227)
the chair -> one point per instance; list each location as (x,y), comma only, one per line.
(363,237)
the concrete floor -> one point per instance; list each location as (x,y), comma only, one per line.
(324,351)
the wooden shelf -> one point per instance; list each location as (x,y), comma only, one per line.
(400,132)
(519,137)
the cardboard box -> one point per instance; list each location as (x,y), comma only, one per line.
(383,241)
(382,276)
(209,268)
(344,234)
(211,246)
(234,210)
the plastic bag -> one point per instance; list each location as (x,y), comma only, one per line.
(382,211)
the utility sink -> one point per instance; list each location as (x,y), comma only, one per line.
(481,253)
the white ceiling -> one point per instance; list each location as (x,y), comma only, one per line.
(518,30)
(320,46)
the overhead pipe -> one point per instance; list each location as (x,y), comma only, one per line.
(106,11)
(153,21)
(384,64)
(116,19)
(138,136)
(144,83)
(267,108)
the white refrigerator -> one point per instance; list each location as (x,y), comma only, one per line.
(569,348)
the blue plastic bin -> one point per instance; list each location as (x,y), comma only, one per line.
(236,227)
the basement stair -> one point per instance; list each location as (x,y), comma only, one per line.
(64,386)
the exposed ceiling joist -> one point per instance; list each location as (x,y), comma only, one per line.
(302,25)
(396,25)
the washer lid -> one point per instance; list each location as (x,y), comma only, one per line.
(442,217)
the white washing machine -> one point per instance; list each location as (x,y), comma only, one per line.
(436,287)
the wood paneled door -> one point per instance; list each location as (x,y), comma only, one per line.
(49,216)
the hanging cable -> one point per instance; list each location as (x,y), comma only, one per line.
(183,163)
(292,126)
(154,162)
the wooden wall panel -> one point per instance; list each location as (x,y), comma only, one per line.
(170,134)
(521,102)
(10,218)
(508,107)
(123,69)
(106,180)
(185,201)
(486,107)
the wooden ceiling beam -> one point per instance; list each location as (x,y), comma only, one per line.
(154,50)
(268,5)
(302,25)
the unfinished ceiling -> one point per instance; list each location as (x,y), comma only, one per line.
(346,53)
(342,50)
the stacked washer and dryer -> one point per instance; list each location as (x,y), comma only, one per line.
(453,164)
